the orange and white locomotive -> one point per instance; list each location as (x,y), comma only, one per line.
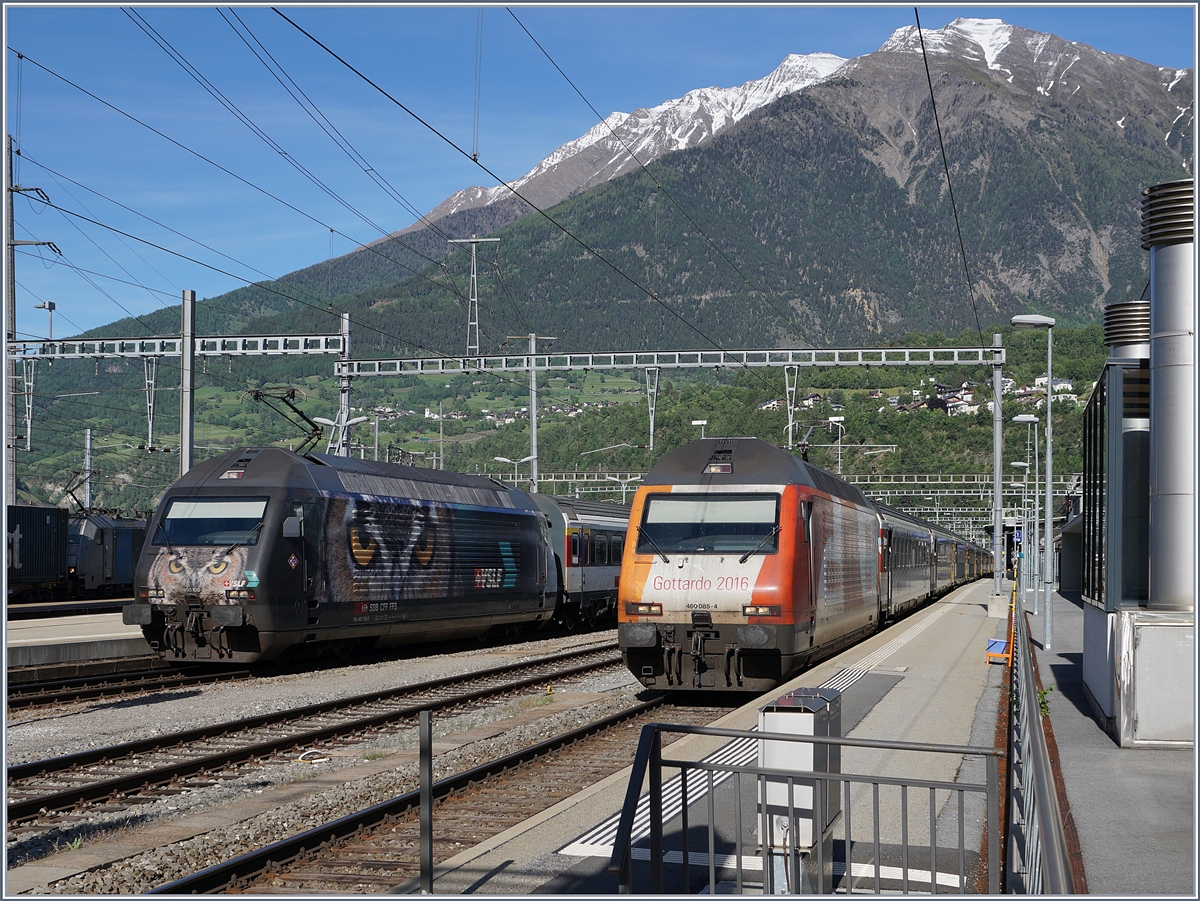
(744,563)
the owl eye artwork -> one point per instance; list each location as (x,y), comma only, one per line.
(188,573)
(388,551)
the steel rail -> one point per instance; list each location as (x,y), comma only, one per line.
(42,694)
(67,798)
(248,865)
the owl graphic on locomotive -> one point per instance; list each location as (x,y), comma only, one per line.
(744,564)
(262,553)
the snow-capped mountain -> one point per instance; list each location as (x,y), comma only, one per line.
(1044,59)
(604,152)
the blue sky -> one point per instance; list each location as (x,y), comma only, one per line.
(75,148)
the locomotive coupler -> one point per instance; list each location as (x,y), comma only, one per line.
(733,655)
(194,627)
(697,657)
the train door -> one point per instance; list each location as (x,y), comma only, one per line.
(585,559)
(885,573)
(302,530)
(810,621)
(106,556)
(311,515)
(123,558)
(573,559)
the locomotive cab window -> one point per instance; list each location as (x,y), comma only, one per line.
(211,520)
(710,524)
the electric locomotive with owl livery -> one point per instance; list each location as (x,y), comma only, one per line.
(743,564)
(262,552)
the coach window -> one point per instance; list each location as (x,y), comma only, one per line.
(586,548)
(616,546)
(574,548)
(601,556)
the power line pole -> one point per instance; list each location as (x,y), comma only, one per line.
(473,301)
(187,383)
(87,469)
(10,328)
(533,450)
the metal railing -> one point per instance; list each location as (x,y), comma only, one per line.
(813,868)
(1038,861)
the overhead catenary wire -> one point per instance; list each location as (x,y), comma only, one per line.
(323,122)
(254,128)
(478,82)
(403,339)
(949,186)
(583,244)
(315,306)
(658,184)
(365,247)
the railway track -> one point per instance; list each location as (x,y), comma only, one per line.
(377,848)
(61,691)
(44,793)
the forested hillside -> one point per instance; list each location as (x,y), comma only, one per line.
(580,414)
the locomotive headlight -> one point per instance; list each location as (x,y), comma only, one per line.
(643,609)
(239,594)
(153,593)
(773,610)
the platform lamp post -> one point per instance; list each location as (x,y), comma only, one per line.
(1019,558)
(837,421)
(1030,420)
(515,463)
(1046,322)
(49,307)
(342,430)
(624,483)
(1025,558)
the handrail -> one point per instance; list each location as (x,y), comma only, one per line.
(648,758)
(1051,843)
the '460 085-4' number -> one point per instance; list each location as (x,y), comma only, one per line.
(733,583)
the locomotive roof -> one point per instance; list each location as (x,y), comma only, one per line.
(273,467)
(752,461)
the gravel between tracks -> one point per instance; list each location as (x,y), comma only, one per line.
(112,722)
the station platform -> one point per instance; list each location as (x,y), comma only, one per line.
(923,680)
(1133,808)
(71,640)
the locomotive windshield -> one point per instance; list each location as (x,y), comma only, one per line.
(211,520)
(709,524)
